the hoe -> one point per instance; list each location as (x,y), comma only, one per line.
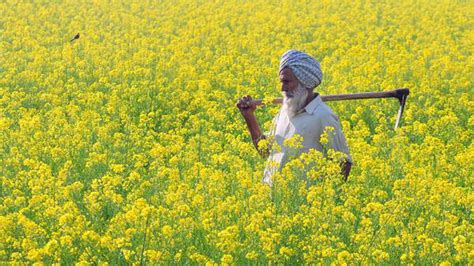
(400,94)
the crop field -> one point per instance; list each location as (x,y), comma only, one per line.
(125,146)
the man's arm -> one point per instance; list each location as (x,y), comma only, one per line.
(337,142)
(247,109)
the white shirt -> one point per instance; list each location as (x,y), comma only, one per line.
(309,123)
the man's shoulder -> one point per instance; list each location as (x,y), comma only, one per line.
(323,113)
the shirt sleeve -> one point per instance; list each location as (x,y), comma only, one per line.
(336,138)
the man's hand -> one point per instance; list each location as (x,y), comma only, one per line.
(346,169)
(246,106)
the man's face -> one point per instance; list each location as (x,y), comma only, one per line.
(293,92)
(289,82)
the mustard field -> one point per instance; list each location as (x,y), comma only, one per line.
(125,146)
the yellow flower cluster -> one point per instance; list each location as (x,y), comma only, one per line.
(124,146)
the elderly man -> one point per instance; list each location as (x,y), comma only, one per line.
(303,113)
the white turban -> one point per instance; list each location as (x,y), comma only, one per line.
(306,69)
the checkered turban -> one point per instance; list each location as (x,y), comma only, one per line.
(306,69)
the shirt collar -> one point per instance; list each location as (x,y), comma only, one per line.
(311,106)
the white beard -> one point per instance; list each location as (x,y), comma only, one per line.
(295,102)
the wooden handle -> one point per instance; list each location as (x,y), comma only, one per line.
(398,93)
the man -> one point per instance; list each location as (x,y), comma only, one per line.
(303,113)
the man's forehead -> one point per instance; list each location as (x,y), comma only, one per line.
(286,73)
